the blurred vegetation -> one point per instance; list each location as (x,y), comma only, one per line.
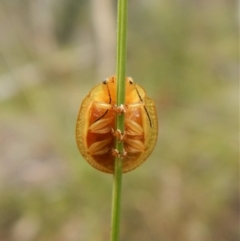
(185,54)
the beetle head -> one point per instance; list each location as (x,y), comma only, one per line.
(133,93)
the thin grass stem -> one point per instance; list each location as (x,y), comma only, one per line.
(121,75)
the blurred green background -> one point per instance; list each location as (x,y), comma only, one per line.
(185,54)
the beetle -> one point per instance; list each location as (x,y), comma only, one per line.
(96,131)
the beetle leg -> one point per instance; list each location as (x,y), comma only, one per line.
(134,145)
(118,109)
(101,126)
(99,147)
(133,128)
(136,104)
(118,134)
(116,153)
(132,150)
(103,105)
(124,153)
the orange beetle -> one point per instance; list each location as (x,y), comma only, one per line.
(95,130)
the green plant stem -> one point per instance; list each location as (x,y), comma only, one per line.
(121,75)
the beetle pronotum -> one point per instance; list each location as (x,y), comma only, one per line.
(96,132)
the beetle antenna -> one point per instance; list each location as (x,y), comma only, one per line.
(150,122)
(138,94)
(110,100)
